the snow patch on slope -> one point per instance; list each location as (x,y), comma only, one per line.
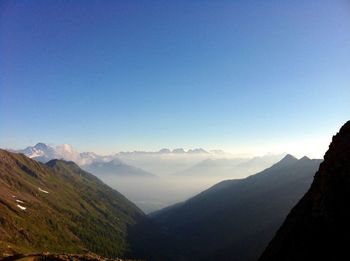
(21,207)
(43,191)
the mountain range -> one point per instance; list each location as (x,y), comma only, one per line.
(191,163)
(44,152)
(230,167)
(57,207)
(115,167)
(236,218)
(89,161)
(122,163)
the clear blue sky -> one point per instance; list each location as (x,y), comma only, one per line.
(107,76)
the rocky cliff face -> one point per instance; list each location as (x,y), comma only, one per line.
(319,225)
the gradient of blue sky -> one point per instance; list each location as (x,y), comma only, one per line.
(244,76)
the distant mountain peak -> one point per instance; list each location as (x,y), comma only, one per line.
(198,150)
(41,145)
(164,150)
(287,159)
(178,150)
(305,158)
(44,152)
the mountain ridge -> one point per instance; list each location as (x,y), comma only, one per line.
(58,207)
(44,152)
(236,215)
(116,167)
(318,226)
(228,167)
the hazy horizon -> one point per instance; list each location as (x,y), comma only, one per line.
(154,180)
(221,153)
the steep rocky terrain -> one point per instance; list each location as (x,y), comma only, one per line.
(58,207)
(318,227)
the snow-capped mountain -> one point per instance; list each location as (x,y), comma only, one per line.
(164,161)
(40,151)
(44,152)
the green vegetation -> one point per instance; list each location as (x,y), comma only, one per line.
(67,209)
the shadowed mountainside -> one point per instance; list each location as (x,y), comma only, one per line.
(318,227)
(235,219)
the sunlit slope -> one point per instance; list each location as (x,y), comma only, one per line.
(58,207)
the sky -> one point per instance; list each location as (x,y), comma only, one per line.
(108,76)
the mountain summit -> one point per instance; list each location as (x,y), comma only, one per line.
(289,158)
(43,152)
(317,228)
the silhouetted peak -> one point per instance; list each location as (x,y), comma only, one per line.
(305,158)
(288,158)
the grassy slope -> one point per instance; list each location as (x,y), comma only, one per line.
(78,213)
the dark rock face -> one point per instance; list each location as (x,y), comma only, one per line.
(318,227)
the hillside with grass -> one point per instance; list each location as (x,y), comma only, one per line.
(59,208)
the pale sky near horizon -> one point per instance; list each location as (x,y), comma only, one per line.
(107,76)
